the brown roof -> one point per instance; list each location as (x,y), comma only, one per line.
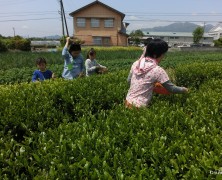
(96,2)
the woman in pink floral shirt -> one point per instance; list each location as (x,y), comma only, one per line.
(145,72)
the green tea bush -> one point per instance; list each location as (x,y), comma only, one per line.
(196,73)
(80,129)
(51,102)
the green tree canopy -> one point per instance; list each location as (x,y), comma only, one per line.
(218,43)
(136,35)
(198,34)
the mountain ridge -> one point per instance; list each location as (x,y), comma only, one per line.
(177,27)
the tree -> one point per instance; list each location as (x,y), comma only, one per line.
(218,43)
(198,34)
(3,47)
(135,36)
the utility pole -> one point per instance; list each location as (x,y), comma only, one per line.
(204,26)
(14,31)
(64,16)
(61,12)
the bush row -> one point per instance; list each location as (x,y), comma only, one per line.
(91,94)
(52,102)
(177,137)
(17,43)
(113,55)
(196,73)
(20,66)
(80,129)
(27,59)
(18,75)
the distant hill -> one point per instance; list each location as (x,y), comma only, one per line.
(177,27)
(55,37)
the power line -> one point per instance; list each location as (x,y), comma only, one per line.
(132,20)
(28,12)
(170,13)
(43,14)
(193,15)
(159,20)
(27,19)
(10,3)
(128,13)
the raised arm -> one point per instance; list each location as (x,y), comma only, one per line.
(65,52)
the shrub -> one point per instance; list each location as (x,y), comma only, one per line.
(18,43)
(3,47)
(80,129)
(218,43)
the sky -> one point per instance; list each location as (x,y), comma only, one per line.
(40,18)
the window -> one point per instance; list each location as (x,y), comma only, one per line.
(97,40)
(174,37)
(108,22)
(106,41)
(94,22)
(81,22)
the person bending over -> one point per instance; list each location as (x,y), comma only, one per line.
(146,72)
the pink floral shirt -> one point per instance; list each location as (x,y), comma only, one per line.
(145,73)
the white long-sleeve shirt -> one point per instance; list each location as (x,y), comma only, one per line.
(91,66)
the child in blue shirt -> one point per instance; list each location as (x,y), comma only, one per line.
(42,73)
(73,61)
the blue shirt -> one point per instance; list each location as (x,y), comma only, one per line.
(41,76)
(72,67)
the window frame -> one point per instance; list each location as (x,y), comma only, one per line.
(108,24)
(97,40)
(81,22)
(95,22)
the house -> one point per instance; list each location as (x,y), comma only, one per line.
(53,44)
(216,31)
(49,45)
(100,24)
(179,38)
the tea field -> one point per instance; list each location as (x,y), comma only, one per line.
(80,129)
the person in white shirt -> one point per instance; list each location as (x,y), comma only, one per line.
(92,67)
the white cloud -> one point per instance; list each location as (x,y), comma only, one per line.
(133,18)
(194,14)
(25,27)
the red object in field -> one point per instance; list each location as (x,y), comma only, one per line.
(159,89)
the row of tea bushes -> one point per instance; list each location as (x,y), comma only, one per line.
(11,60)
(196,73)
(19,75)
(18,67)
(165,141)
(80,129)
(52,102)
